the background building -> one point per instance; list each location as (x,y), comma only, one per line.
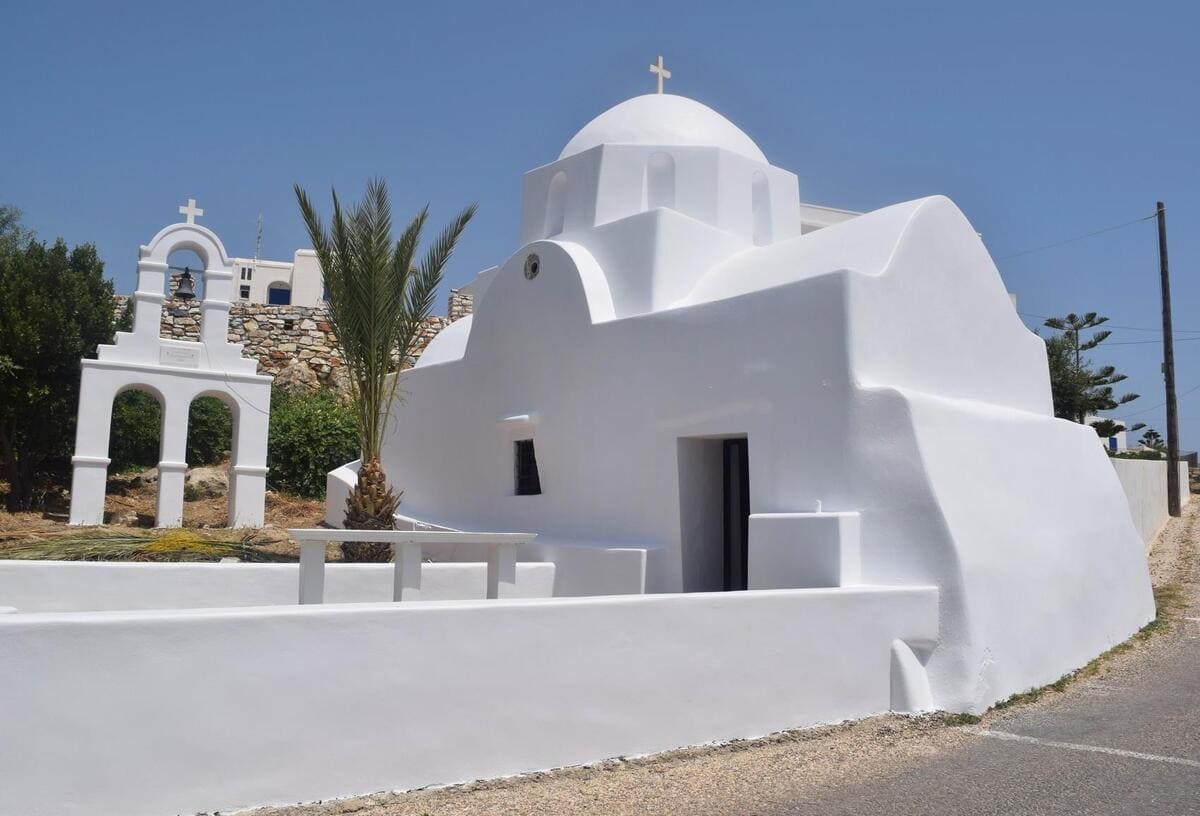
(279,283)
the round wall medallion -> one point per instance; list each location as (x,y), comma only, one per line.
(533,265)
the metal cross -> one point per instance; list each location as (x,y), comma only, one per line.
(662,72)
(191,211)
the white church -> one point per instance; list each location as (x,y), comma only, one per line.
(680,388)
(739,466)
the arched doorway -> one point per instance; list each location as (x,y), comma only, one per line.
(279,294)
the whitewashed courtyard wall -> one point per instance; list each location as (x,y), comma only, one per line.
(1145,484)
(152,713)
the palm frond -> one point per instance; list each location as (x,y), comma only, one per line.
(378,297)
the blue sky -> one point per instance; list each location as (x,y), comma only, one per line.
(1042,121)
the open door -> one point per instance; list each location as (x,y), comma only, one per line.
(736,511)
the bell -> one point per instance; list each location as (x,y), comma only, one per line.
(186,290)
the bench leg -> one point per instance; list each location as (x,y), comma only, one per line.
(502,571)
(312,572)
(407,586)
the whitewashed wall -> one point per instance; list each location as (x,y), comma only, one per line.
(83,586)
(1145,485)
(153,713)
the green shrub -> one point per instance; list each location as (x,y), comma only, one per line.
(210,431)
(136,428)
(310,436)
(136,431)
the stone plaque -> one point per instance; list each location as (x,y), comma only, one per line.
(181,357)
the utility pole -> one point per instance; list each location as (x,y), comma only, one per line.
(1169,369)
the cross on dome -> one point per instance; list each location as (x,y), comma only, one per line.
(662,72)
(191,211)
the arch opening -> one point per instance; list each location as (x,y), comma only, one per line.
(556,204)
(134,448)
(212,420)
(174,308)
(659,183)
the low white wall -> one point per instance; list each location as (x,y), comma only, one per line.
(1145,484)
(338,484)
(86,586)
(153,713)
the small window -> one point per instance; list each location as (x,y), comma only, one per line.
(528,483)
(245,292)
(247,273)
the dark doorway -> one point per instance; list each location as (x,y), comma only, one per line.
(714,512)
(736,511)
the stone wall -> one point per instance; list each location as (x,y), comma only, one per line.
(294,343)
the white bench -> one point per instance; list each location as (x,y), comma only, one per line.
(407,544)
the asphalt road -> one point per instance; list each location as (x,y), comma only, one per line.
(1127,743)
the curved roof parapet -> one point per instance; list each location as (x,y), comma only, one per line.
(864,244)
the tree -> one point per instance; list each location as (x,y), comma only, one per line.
(12,235)
(378,299)
(55,308)
(1153,441)
(1105,428)
(1077,389)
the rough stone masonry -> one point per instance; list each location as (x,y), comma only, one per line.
(295,344)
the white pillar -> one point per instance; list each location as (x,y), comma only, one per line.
(89,476)
(89,479)
(172,467)
(214,311)
(171,477)
(407,582)
(247,495)
(248,471)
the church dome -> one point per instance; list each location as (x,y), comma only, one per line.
(663,119)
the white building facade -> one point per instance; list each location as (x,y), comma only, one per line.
(279,283)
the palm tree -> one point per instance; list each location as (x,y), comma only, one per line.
(378,299)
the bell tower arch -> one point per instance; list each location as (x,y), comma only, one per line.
(179,371)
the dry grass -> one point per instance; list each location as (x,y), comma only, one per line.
(203,538)
(173,545)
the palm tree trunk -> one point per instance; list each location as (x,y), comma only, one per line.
(370,506)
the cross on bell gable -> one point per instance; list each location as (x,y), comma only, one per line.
(191,211)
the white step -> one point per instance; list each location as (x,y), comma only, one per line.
(794,550)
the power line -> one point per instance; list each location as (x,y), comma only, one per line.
(1114,326)
(1078,237)
(1160,405)
(1145,342)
